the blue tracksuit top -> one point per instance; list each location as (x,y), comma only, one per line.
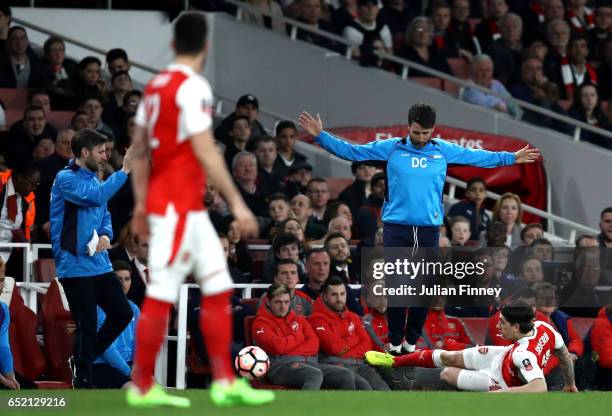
(78,207)
(121,351)
(6,356)
(415,177)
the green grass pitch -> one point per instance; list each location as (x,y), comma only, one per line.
(297,403)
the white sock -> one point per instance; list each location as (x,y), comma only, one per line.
(436,357)
(471,380)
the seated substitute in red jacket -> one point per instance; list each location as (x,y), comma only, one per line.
(444,331)
(343,339)
(293,347)
(601,341)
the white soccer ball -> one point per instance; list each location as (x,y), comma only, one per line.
(252,362)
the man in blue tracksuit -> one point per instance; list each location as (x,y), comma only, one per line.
(412,210)
(79,214)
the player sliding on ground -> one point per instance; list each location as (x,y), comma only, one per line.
(514,368)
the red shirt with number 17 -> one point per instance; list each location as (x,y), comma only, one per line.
(176,105)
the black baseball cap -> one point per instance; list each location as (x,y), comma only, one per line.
(247,99)
(298,166)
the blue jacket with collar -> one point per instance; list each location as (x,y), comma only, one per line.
(78,207)
(415,176)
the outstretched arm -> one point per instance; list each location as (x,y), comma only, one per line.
(566,364)
(376,150)
(486,158)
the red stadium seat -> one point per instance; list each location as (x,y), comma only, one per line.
(477,328)
(44,270)
(430,82)
(14,99)
(460,67)
(58,336)
(248,326)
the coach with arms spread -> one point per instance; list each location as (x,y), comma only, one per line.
(412,218)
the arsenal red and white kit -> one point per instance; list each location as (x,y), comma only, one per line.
(177,105)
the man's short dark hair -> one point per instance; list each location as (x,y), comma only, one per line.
(52,40)
(88,139)
(35,92)
(332,236)
(518,312)
(276,289)
(576,36)
(583,237)
(525,293)
(248,120)
(278,196)
(424,114)
(5,9)
(316,250)
(474,180)
(332,280)
(88,60)
(25,169)
(190,33)
(93,96)
(116,53)
(541,242)
(379,176)
(530,226)
(119,265)
(284,239)
(130,93)
(282,125)
(316,180)
(14,29)
(264,138)
(32,108)
(607,210)
(282,262)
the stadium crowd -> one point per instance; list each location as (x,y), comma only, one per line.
(316,334)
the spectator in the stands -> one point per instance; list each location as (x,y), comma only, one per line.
(580,17)
(5,23)
(530,271)
(587,240)
(56,61)
(444,40)
(344,340)
(317,272)
(369,215)
(79,121)
(488,29)
(576,71)
(356,193)
(19,66)
(117,60)
(244,170)
(536,89)
(500,256)
(113,368)
(238,256)
(444,331)
(235,273)
(396,15)
(482,75)
(286,272)
(49,167)
(318,192)
(17,208)
(603,75)
(506,51)
(605,225)
(301,206)
(293,346)
(293,226)
(472,207)
(338,208)
(582,297)
(298,176)
(537,18)
(337,246)
(601,341)
(25,134)
(459,228)
(284,246)
(509,211)
(602,32)
(368,35)
(69,93)
(418,48)
(286,136)
(270,170)
(530,233)
(239,134)
(92,106)
(558,36)
(345,13)
(342,225)
(267,6)
(311,13)
(44,148)
(586,107)
(140,275)
(462,30)
(278,210)
(125,246)
(119,122)
(121,84)
(542,249)
(248,106)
